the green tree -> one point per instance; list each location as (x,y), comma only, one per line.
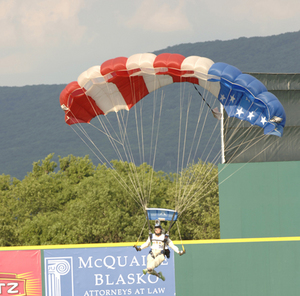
(81,203)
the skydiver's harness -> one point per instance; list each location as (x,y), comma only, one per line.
(165,252)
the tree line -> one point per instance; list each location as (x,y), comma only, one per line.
(75,202)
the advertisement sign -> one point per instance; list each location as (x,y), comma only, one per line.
(104,271)
(20,273)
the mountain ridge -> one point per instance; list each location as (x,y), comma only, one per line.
(32,122)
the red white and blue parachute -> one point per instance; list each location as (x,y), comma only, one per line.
(118,84)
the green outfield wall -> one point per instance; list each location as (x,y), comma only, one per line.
(240,267)
(259,199)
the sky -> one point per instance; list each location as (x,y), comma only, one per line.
(54,41)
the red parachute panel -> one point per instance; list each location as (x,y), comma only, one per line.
(77,105)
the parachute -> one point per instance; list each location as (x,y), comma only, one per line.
(120,84)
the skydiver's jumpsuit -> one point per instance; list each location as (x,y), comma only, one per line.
(156,255)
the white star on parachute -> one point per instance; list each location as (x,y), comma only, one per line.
(232,99)
(251,114)
(240,112)
(263,120)
(222,98)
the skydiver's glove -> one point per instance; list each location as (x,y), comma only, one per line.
(137,248)
(181,253)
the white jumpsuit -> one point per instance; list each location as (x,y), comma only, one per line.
(156,256)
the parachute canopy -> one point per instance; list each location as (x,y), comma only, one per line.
(120,83)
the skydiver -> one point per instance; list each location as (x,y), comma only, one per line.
(159,243)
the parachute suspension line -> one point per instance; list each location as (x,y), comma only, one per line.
(133,174)
(208,171)
(206,194)
(206,116)
(185,132)
(188,197)
(171,224)
(240,123)
(106,130)
(180,185)
(142,132)
(183,147)
(106,134)
(203,126)
(156,141)
(87,136)
(201,196)
(181,196)
(84,132)
(141,146)
(151,145)
(210,138)
(141,233)
(203,102)
(192,197)
(195,134)
(244,141)
(199,192)
(149,227)
(116,148)
(203,98)
(123,135)
(149,182)
(245,134)
(226,123)
(144,195)
(241,135)
(115,174)
(204,172)
(139,132)
(153,158)
(130,158)
(147,185)
(122,130)
(110,138)
(180,235)
(234,131)
(248,146)
(247,161)
(113,144)
(178,180)
(196,175)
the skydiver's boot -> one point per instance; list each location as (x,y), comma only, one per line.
(153,272)
(161,276)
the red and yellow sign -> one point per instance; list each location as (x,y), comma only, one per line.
(20,273)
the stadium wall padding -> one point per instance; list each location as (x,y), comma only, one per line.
(259,199)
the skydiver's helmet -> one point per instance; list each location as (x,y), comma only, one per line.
(157,224)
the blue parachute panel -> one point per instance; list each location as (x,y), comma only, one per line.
(161,214)
(246,98)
